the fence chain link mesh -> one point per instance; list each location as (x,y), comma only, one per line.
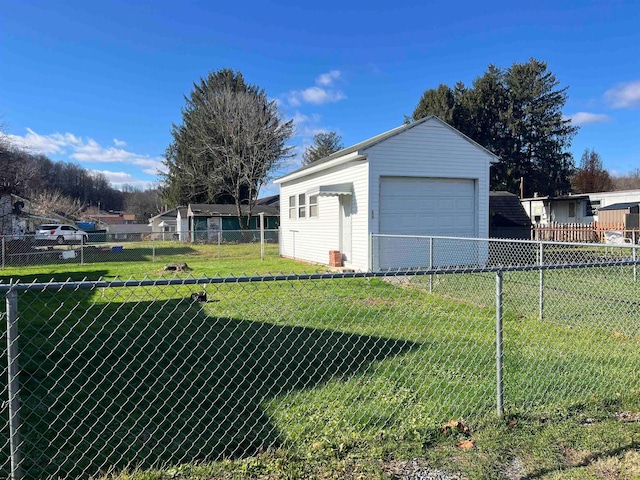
(155,373)
(30,251)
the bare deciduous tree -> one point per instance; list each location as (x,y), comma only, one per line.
(627,181)
(144,204)
(230,140)
(591,175)
(47,202)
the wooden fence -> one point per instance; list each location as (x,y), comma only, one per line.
(580,232)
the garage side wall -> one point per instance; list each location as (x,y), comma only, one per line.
(311,238)
(430,150)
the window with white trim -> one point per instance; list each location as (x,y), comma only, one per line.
(292,206)
(313,205)
(302,209)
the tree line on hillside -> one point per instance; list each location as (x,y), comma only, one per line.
(66,188)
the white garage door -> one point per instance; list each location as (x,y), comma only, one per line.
(428,206)
(424,206)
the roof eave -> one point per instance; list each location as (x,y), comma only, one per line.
(353,156)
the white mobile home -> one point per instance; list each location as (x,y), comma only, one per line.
(423,178)
(580,208)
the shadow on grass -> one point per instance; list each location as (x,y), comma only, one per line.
(93,254)
(141,384)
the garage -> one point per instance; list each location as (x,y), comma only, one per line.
(424,178)
(426,207)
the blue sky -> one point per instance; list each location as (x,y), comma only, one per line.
(100,83)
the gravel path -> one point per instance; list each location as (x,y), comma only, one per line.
(415,470)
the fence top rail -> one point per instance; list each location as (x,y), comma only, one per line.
(505,240)
(92,284)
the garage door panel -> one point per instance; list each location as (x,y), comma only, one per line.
(424,206)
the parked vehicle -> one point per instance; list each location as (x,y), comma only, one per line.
(60,234)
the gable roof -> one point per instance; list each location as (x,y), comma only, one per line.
(355,150)
(506,210)
(173,213)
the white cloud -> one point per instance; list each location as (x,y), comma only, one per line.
(119,143)
(46,144)
(300,118)
(624,95)
(586,118)
(320,93)
(315,95)
(91,151)
(328,78)
(118,179)
(85,150)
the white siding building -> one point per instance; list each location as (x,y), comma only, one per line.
(423,178)
(581,208)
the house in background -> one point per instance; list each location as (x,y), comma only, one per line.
(205,221)
(507,217)
(581,208)
(170,225)
(423,178)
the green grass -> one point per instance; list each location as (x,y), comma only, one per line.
(343,378)
(137,260)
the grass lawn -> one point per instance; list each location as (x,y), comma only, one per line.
(341,378)
(136,260)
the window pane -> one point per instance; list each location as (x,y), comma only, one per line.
(301,199)
(313,206)
(292,201)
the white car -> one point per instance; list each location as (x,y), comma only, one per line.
(61,234)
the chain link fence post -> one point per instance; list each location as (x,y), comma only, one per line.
(499,346)
(82,250)
(541,283)
(372,258)
(635,257)
(13,385)
(153,249)
(430,264)
(3,252)
(261,236)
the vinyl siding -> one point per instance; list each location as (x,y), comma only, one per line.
(430,150)
(316,236)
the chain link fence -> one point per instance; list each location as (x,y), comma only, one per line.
(400,252)
(102,247)
(103,376)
